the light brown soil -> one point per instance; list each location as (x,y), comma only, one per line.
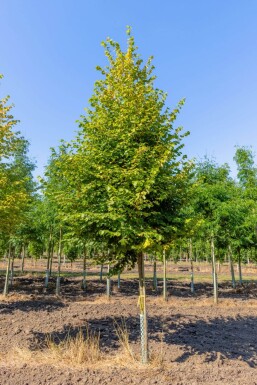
(200,343)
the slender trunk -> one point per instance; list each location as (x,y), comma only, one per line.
(154,276)
(164,277)
(23,258)
(101,273)
(6,285)
(84,281)
(119,280)
(143,313)
(108,283)
(12,270)
(231,267)
(192,266)
(51,260)
(58,278)
(48,260)
(215,281)
(240,267)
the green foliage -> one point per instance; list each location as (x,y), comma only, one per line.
(16,183)
(124,178)
(247,172)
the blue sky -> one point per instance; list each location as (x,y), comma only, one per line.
(204,50)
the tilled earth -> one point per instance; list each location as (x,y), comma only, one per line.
(200,343)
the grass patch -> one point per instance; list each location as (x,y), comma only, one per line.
(78,350)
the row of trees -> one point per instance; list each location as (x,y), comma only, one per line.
(123,187)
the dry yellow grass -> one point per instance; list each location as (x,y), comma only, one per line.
(72,351)
(123,337)
(76,350)
(80,351)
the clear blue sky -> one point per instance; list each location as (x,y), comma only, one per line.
(204,50)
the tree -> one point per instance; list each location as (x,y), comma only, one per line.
(125,173)
(247,172)
(16,182)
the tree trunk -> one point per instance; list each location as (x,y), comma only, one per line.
(108,283)
(84,281)
(143,313)
(240,267)
(119,280)
(231,267)
(58,278)
(192,266)
(51,260)
(48,260)
(164,277)
(6,285)
(23,258)
(12,270)
(155,286)
(215,281)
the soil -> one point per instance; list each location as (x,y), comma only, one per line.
(200,343)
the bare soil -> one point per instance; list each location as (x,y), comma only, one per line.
(200,343)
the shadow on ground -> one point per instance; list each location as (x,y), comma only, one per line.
(219,338)
(30,305)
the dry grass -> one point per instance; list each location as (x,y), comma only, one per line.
(83,350)
(128,357)
(79,350)
(127,354)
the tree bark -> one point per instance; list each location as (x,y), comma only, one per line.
(6,285)
(51,260)
(108,283)
(12,270)
(58,278)
(119,280)
(155,286)
(48,260)
(23,258)
(215,281)
(164,277)
(143,313)
(240,267)
(231,267)
(192,266)
(84,281)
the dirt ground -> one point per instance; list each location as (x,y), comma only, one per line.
(191,340)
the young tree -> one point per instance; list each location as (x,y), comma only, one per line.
(247,171)
(16,182)
(125,173)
